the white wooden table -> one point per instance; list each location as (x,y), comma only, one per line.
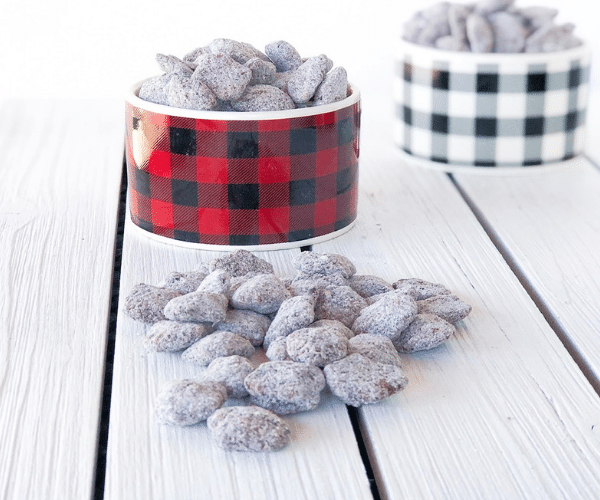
(507,409)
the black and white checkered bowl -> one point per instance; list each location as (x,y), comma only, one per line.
(464,110)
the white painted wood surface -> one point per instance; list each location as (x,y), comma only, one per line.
(149,461)
(60,164)
(500,410)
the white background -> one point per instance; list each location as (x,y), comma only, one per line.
(84,48)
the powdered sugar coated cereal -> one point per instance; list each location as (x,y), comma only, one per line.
(187,402)
(217,345)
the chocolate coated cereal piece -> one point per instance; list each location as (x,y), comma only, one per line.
(168,336)
(388,316)
(285,386)
(304,284)
(426,331)
(420,289)
(227,78)
(334,87)
(216,282)
(186,93)
(248,324)
(248,428)
(280,80)
(311,263)
(263,72)
(173,65)
(217,345)
(230,371)
(509,32)
(187,402)
(153,90)
(367,285)
(198,307)
(340,303)
(376,348)
(240,263)
(239,51)
(552,38)
(448,307)
(284,56)
(357,380)
(333,324)
(479,33)
(277,350)
(184,282)
(191,56)
(304,82)
(146,303)
(262,294)
(317,346)
(263,98)
(293,314)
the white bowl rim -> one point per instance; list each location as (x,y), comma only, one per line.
(582,50)
(133,99)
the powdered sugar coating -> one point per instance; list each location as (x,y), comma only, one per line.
(277,350)
(316,346)
(367,285)
(263,98)
(426,331)
(248,324)
(357,380)
(217,345)
(227,78)
(263,72)
(334,87)
(333,324)
(197,307)
(262,294)
(340,303)
(186,93)
(184,282)
(284,56)
(248,428)
(168,336)
(303,83)
(238,51)
(217,281)
(240,263)
(293,314)
(153,90)
(388,316)
(187,402)
(448,307)
(420,289)
(230,371)
(146,303)
(314,263)
(173,65)
(376,348)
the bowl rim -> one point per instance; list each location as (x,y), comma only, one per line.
(583,50)
(133,99)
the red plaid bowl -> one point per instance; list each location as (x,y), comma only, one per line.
(255,180)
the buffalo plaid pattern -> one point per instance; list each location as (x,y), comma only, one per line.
(489,116)
(240,182)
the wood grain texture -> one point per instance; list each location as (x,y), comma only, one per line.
(500,410)
(61,165)
(149,461)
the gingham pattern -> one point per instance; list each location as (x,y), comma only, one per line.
(240,182)
(488,116)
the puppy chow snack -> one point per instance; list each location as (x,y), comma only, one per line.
(388,316)
(357,380)
(316,346)
(376,348)
(419,289)
(155,89)
(369,285)
(284,56)
(173,65)
(248,428)
(340,303)
(285,386)
(305,80)
(490,26)
(217,282)
(184,282)
(146,303)
(198,307)
(335,324)
(168,336)
(263,72)
(218,345)
(230,371)
(293,314)
(312,285)
(311,263)
(248,324)
(241,263)
(187,402)
(262,294)
(426,331)
(238,51)
(263,98)
(277,350)
(448,307)
(183,92)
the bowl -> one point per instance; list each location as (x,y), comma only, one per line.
(255,180)
(462,109)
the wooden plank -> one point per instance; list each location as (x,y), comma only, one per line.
(61,165)
(148,461)
(500,410)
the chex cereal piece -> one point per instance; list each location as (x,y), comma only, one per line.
(186,93)
(263,72)
(448,307)
(198,307)
(311,263)
(367,285)
(280,80)
(227,78)
(334,87)
(239,51)
(426,331)
(184,282)
(509,32)
(304,284)
(241,263)
(376,348)
(293,314)
(167,336)
(263,98)
(488,6)
(317,346)
(284,56)
(153,90)
(420,289)
(237,281)
(191,56)
(146,303)
(332,323)
(285,386)
(479,33)
(340,303)
(248,324)
(218,281)
(248,428)
(304,82)
(552,38)
(217,345)
(277,350)
(230,371)
(388,316)
(187,402)
(172,64)
(262,294)
(357,380)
